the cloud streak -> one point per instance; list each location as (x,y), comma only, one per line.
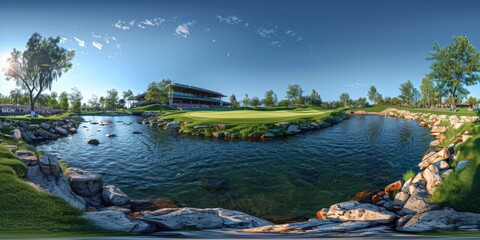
(183,30)
(80,42)
(232,19)
(97,45)
(356,85)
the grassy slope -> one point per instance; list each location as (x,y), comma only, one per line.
(151,108)
(26,212)
(461,190)
(446,111)
(38,119)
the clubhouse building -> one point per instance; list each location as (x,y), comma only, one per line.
(187,97)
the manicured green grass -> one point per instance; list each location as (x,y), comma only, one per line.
(38,119)
(461,190)
(28,212)
(446,111)
(249,116)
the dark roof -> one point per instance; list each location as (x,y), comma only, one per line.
(197,88)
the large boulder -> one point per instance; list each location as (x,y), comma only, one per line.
(209,218)
(49,165)
(84,183)
(434,157)
(417,203)
(61,131)
(172,125)
(355,211)
(56,185)
(117,221)
(446,219)
(292,129)
(433,178)
(392,187)
(461,165)
(27,157)
(113,195)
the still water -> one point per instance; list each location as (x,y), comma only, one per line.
(288,177)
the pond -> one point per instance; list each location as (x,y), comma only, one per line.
(295,176)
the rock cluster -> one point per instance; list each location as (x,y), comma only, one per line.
(24,130)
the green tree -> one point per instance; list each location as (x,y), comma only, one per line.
(472,101)
(427,89)
(245,101)
(75,98)
(379,99)
(270,98)
(373,94)
(255,101)
(16,94)
(408,94)
(344,99)
(455,65)
(234,102)
(362,102)
(101,101)
(35,69)
(111,100)
(52,101)
(94,103)
(63,102)
(315,99)
(284,103)
(159,92)
(126,96)
(294,94)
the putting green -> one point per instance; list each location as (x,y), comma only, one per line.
(249,116)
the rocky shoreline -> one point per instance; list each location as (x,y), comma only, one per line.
(402,207)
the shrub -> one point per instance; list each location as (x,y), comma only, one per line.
(408,175)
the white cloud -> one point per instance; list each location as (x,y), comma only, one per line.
(96,36)
(97,45)
(80,42)
(131,23)
(265,32)
(228,54)
(63,40)
(121,25)
(300,38)
(183,30)
(275,44)
(246,25)
(356,85)
(153,22)
(113,38)
(141,26)
(119,46)
(232,19)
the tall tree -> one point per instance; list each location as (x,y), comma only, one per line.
(101,101)
(315,99)
(455,65)
(93,102)
(362,102)
(111,100)
(52,101)
(63,102)
(427,89)
(255,101)
(407,93)
(75,98)
(472,101)
(294,94)
(36,68)
(344,99)
(373,94)
(15,94)
(160,92)
(245,101)
(126,96)
(234,101)
(270,99)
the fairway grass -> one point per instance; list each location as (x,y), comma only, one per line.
(461,111)
(249,116)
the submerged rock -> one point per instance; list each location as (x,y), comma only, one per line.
(93,141)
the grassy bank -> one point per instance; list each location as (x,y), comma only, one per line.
(461,190)
(39,119)
(461,111)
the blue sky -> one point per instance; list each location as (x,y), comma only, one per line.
(242,46)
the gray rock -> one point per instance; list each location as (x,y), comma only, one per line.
(208,218)
(27,157)
(417,203)
(61,131)
(172,125)
(93,141)
(461,165)
(45,126)
(84,183)
(446,219)
(445,173)
(117,221)
(406,185)
(355,211)
(113,195)
(268,135)
(292,129)
(442,165)
(49,165)
(33,127)
(54,185)
(400,200)
(124,210)
(72,130)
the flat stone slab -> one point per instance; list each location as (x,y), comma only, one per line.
(12,148)
(446,219)
(117,221)
(49,165)
(84,183)
(208,218)
(27,157)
